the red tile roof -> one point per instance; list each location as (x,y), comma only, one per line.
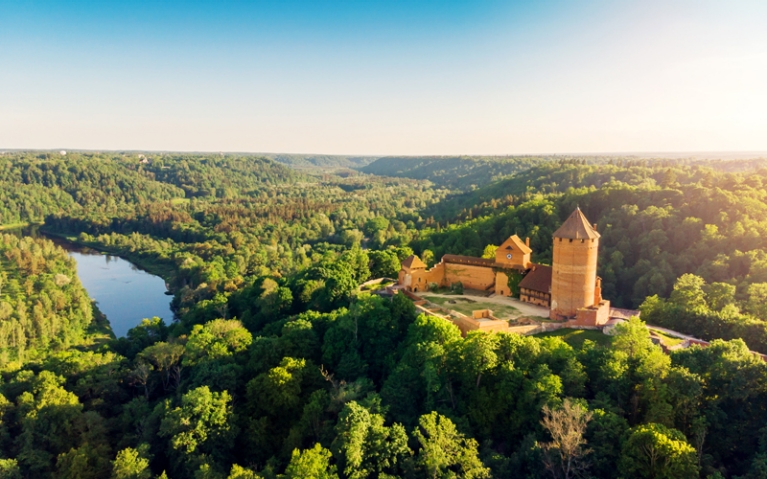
(413,262)
(537,279)
(516,241)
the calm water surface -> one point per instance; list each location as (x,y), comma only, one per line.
(124,293)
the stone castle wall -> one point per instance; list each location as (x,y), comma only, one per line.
(502,284)
(419,279)
(446,274)
(466,324)
(472,277)
(597,315)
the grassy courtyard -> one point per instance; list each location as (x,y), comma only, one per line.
(467,306)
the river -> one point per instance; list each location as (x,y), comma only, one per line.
(123,292)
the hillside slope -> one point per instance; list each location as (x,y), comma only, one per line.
(457,172)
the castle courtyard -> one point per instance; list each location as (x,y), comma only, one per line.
(503,307)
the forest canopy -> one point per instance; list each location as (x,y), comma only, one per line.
(277,365)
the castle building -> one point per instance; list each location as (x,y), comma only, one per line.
(473,273)
(570,287)
(535,287)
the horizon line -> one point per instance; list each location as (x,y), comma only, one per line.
(679,154)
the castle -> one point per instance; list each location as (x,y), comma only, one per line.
(570,287)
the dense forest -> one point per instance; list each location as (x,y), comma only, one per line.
(43,306)
(33,186)
(321,161)
(278,366)
(461,173)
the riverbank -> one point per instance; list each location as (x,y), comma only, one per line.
(125,289)
(165,271)
(100,330)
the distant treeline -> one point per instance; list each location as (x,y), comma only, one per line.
(33,186)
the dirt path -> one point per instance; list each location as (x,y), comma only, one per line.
(671,332)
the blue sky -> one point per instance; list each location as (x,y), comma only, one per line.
(389,77)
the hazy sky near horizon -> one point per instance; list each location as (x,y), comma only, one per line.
(385,77)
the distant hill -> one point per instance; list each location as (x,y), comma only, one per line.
(557,176)
(289,159)
(320,161)
(220,176)
(455,172)
(466,173)
(35,184)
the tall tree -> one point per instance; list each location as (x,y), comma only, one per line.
(444,452)
(564,456)
(311,463)
(657,452)
(366,447)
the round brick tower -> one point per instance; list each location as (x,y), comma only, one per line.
(574,267)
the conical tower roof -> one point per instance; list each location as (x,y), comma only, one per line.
(576,226)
